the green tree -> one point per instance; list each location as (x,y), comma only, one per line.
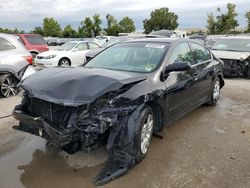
(160,19)
(37,30)
(110,20)
(10,31)
(224,22)
(87,27)
(247,15)
(127,25)
(97,25)
(51,27)
(113,28)
(90,27)
(69,32)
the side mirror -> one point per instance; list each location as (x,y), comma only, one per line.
(177,66)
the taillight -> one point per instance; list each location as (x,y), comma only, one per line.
(29,59)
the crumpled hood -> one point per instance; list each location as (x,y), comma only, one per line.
(76,86)
(231,55)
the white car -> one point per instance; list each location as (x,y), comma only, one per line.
(69,54)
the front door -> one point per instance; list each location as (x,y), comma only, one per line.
(182,86)
(78,54)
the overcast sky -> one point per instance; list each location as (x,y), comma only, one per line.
(26,14)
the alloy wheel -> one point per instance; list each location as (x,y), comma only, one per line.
(64,63)
(9,87)
(216,92)
(146,133)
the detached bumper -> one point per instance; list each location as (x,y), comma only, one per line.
(37,126)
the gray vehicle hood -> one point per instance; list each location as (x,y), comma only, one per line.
(76,86)
(231,55)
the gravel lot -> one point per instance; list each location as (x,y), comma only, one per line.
(209,147)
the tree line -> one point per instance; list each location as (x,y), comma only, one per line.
(162,18)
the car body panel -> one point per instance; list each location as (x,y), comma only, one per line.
(231,55)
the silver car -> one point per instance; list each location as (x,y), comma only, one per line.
(14,60)
(234,51)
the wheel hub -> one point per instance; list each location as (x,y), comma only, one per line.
(216,92)
(146,133)
(9,87)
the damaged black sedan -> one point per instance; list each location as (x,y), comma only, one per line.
(120,98)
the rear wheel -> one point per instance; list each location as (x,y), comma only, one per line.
(8,85)
(64,62)
(215,95)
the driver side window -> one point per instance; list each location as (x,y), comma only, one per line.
(181,52)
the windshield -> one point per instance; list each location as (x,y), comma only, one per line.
(66,46)
(134,57)
(240,45)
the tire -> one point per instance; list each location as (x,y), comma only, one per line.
(64,62)
(215,94)
(145,126)
(8,85)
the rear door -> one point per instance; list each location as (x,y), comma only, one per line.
(78,54)
(204,66)
(182,86)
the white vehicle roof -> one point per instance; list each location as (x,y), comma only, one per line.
(237,37)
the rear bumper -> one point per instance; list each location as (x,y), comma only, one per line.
(37,126)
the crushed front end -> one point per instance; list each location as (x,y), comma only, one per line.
(85,127)
(236,68)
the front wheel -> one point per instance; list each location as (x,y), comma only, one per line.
(215,95)
(64,62)
(144,133)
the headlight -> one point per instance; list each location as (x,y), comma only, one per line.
(49,57)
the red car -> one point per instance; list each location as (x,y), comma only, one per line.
(34,43)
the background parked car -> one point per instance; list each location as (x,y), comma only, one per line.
(69,54)
(14,60)
(10,45)
(34,43)
(234,51)
(114,40)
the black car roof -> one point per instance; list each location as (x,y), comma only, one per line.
(163,40)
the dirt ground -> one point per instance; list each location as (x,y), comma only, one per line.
(209,147)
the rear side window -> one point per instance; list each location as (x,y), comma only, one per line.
(81,46)
(35,39)
(182,52)
(6,45)
(92,45)
(200,53)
